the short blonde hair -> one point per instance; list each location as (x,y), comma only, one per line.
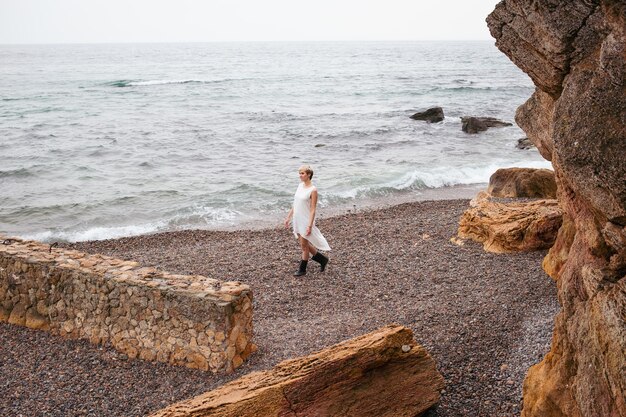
(307,169)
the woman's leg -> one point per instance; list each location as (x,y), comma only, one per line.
(304,245)
(318,257)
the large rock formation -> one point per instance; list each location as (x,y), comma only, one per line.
(522,183)
(575,53)
(383,373)
(511,226)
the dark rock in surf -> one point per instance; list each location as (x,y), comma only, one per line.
(480,124)
(432,115)
(524,143)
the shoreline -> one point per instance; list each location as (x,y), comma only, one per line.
(274,219)
(467,307)
(455,192)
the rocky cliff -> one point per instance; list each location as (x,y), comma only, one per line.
(575,53)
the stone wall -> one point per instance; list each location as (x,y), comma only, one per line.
(192,321)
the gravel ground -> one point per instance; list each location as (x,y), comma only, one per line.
(485,318)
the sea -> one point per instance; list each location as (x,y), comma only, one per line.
(108,140)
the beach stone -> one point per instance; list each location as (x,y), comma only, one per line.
(237,361)
(68,326)
(18,315)
(511,227)
(574,53)
(432,115)
(199,361)
(34,320)
(471,124)
(522,183)
(5,313)
(366,376)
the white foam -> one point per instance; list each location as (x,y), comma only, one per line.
(95,233)
(196,217)
(437,177)
(205,215)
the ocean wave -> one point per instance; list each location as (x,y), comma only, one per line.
(71,208)
(254,190)
(199,216)
(193,217)
(95,233)
(475,88)
(16,173)
(439,177)
(189,218)
(465,88)
(143,83)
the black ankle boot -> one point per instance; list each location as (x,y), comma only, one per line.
(302,270)
(318,257)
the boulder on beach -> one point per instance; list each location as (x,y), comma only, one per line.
(383,373)
(516,226)
(522,183)
(472,124)
(524,143)
(432,115)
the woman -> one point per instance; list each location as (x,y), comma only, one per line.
(303,214)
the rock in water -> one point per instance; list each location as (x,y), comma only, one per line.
(524,143)
(511,227)
(471,124)
(383,373)
(574,51)
(522,183)
(432,115)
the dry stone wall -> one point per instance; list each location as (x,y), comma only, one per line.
(186,320)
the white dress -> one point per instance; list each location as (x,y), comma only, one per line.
(301,216)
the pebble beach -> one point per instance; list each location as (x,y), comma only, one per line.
(485,318)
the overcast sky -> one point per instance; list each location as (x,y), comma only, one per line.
(87,21)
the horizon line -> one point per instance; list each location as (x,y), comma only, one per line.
(239,41)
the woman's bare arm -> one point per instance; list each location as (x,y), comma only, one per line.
(288,218)
(312,213)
